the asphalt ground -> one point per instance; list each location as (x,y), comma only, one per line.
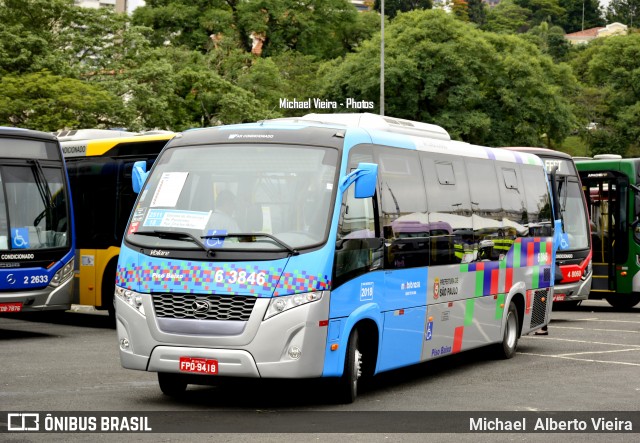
(590,361)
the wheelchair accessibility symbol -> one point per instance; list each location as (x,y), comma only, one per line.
(429,333)
(20,238)
(215,242)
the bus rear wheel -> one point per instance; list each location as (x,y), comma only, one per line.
(623,301)
(348,384)
(172,385)
(507,348)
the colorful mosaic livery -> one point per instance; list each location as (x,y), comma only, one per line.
(335,246)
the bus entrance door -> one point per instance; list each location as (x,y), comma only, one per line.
(606,195)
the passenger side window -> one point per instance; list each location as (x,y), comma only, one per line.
(404,206)
(514,220)
(486,207)
(449,216)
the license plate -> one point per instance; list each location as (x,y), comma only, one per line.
(199,365)
(558,297)
(10,307)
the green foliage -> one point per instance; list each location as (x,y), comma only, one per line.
(624,11)
(484,88)
(507,18)
(548,11)
(323,28)
(580,15)
(550,40)
(393,7)
(29,35)
(610,68)
(49,102)
(177,64)
(477,12)
(574,146)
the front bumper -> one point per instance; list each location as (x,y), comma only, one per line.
(575,291)
(46,299)
(261,349)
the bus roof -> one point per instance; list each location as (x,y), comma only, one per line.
(90,134)
(10,131)
(332,129)
(539,151)
(100,146)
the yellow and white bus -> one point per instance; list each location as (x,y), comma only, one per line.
(99,171)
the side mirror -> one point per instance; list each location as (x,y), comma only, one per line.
(365,178)
(139,175)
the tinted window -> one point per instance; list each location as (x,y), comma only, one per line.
(449,203)
(486,207)
(404,207)
(358,247)
(537,199)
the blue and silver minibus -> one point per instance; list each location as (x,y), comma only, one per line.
(336,246)
(36,223)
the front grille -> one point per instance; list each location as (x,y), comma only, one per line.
(540,299)
(203,307)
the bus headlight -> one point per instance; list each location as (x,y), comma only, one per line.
(63,274)
(131,298)
(286,302)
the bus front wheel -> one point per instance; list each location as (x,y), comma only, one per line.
(348,390)
(172,385)
(626,301)
(507,348)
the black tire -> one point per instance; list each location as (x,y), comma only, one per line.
(627,301)
(108,291)
(507,349)
(348,384)
(172,385)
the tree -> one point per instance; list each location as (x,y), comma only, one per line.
(581,14)
(323,28)
(460,9)
(177,88)
(624,11)
(507,18)
(393,7)
(548,11)
(477,12)
(550,40)
(482,87)
(612,66)
(29,35)
(48,102)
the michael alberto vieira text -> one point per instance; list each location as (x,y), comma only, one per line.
(548,424)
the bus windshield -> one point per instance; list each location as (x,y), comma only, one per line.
(573,214)
(33,207)
(257,197)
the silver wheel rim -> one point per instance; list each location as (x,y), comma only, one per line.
(357,368)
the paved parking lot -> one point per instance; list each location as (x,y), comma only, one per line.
(589,334)
(588,362)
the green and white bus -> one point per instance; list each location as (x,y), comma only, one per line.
(610,185)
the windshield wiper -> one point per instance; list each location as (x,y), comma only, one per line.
(43,189)
(173,235)
(276,240)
